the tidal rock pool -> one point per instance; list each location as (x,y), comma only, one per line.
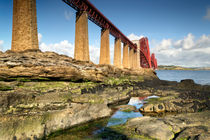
(120,116)
(90,130)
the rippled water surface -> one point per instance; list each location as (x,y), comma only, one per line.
(200,77)
(121,117)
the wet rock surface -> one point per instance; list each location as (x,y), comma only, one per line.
(181,112)
(193,126)
(189,98)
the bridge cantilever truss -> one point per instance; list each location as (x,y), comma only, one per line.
(147,61)
(153,61)
(99,19)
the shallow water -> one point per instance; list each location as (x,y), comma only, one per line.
(120,117)
(200,77)
(90,130)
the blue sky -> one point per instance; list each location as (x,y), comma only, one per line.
(178,30)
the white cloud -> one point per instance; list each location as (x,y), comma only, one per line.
(1,45)
(67,48)
(63,47)
(165,44)
(186,43)
(68,15)
(207,16)
(134,37)
(187,52)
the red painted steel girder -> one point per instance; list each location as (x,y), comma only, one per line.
(144,61)
(156,63)
(145,53)
(153,61)
(99,19)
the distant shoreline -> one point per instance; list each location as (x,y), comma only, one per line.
(166,67)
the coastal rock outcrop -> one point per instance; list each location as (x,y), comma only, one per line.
(185,96)
(43,92)
(36,65)
(172,127)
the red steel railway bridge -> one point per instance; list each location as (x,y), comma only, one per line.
(136,53)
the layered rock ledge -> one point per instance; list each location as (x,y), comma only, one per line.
(51,66)
(41,93)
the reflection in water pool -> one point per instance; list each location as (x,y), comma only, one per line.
(121,117)
(90,130)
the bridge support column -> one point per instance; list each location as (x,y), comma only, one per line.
(131,54)
(137,42)
(24,31)
(105,49)
(138,56)
(81,51)
(117,53)
(125,56)
(135,60)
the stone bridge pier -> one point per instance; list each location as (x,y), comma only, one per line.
(137,54)
(126,63)
(105,49)
(117,53)
(24,30)
(81,50)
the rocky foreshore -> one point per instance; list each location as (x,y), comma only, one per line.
(182,112)
(41,93)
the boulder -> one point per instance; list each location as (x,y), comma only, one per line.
(149,108)
(151,127)
(182,126)
(187,81)
(40,125)
(158,108)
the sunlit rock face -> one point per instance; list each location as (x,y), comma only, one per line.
(36,65)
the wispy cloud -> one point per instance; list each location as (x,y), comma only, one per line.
(189,52)
(68,15)
(207,16)
(132,36)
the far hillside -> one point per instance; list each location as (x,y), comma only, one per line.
(172,67)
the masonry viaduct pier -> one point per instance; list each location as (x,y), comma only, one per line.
(136,54)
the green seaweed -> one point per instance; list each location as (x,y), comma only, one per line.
(4,87)
(80,132)
(123,80)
